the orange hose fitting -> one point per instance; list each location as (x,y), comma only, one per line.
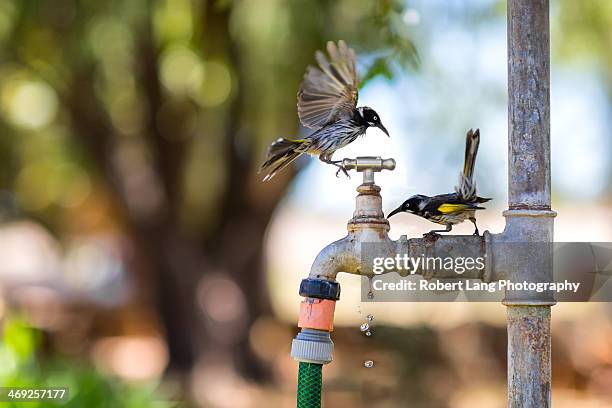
(317,314)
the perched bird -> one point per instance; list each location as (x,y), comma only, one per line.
(453,208)
(327,103)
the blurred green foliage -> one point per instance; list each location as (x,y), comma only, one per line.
(20,366)
(583,30)
(389,19)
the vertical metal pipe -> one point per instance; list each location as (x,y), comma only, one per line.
(529,345)
(529,376)
(528,105)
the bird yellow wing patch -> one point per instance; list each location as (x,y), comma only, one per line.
(451,208)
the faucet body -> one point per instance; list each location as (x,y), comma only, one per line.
(368,225)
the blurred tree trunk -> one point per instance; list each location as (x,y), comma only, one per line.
(172,263)
(233,247)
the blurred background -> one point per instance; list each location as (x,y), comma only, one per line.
(142,261)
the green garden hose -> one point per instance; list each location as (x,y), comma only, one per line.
(309,385)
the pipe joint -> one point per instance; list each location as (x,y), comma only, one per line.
(313,343)
(524,253)
(312,346)
(320,289)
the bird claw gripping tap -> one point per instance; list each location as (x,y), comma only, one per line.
(368,165)
(320,290)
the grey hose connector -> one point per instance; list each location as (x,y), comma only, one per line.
(312,346)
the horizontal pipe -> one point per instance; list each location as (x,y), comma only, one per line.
(352,253)
(446,246)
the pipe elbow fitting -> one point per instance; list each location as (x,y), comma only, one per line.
(339,256)
(346,254)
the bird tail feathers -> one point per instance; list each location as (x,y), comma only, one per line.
(467,187)
(280,154)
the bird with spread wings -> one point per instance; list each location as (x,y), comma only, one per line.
(327,103)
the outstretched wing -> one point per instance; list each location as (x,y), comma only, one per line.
(329,93)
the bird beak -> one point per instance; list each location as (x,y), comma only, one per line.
(384,129)
(392,213)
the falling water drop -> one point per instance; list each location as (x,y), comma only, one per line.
(368,364)
(364,327)
(370,317)
(371,287)
(368,333)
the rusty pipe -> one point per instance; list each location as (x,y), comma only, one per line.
(529,217)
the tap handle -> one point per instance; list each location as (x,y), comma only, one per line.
(371,163)
(368,165)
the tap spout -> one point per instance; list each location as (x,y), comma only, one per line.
(346,254)
(339,256)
